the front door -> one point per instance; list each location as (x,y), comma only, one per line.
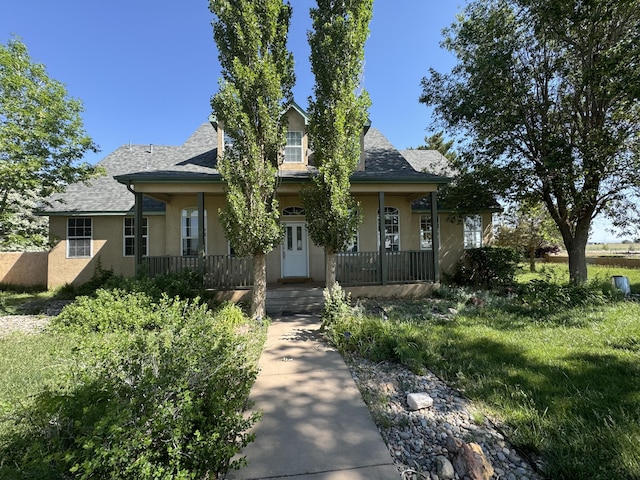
(295,251)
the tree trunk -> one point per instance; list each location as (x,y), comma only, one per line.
(259,297)
(329,269)
(576,249)
(532,259)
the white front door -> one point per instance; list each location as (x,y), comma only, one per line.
(295,251)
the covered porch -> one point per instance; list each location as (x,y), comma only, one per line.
(228,272)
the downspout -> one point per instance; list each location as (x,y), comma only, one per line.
(137,227)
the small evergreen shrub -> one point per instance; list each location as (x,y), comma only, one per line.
(487,267)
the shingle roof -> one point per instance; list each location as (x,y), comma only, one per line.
(196,160)
(106,195)
(431,161)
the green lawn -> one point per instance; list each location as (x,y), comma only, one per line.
(564,382)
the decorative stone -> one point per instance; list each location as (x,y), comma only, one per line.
(418,401)
(444,468)
(471,462)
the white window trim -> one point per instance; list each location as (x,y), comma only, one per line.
(296,147)
(145,238)
(397,210)
(475,232)
(182,237)
(356,237)
(69,238)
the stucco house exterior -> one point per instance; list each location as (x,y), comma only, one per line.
(176,192)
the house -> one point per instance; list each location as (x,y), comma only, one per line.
(176,192)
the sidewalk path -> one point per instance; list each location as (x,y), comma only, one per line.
(315,425)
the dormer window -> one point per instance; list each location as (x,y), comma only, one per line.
(227,140)
(293,150)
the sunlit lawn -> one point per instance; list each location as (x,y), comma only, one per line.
(564,383)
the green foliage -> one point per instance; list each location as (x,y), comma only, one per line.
(527,228)
(251,106)
(41,141)
(542,296)
(437,142)
(487,267)
(152,404)
(337,305)
(560,378)
(338,114)
(549,112)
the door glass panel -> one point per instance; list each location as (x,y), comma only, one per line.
(289,238)
(299,238)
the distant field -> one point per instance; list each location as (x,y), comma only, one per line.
(631,250)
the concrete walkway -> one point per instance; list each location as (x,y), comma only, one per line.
(315,425)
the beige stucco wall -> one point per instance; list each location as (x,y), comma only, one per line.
(165,238)
(452,240)
(27,269)
(107,249)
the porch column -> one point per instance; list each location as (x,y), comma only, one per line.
(435,236)
(201,239)
(383,250)
(137,230)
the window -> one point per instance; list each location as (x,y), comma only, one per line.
(293,150)
(130,236)
(426,233)
(189,231)
(352,246)
(391,229)
(79,234)
(472,231)
(293,211)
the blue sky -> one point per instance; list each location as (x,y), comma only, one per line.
(145,70)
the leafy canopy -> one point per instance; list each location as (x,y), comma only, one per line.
(251,105)
(546,92)
(338,113)
(42,138)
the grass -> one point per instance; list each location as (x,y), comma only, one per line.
(563,381)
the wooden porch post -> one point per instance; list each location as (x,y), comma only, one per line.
(137,230)
(435,236)
(383,250)
(201,230)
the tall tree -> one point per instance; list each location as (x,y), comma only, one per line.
(42,138)
(528,228)
(437,142)
(252,102)
(338,114)
(547,93)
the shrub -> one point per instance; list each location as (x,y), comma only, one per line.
(109,311)
(151,405)
(337,306)
(547,295)
(487,267)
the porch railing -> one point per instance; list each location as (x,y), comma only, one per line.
(220,271)
(352,269)
(363,268)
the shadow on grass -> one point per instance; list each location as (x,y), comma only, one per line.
(577,413)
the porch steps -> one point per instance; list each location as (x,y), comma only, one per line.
(292,299)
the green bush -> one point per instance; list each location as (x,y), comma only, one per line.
(545,295)
(163,404)
(487,267)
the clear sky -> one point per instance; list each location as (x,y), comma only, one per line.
(145,70)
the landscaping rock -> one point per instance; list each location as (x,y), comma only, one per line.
(444,468)
(418,401)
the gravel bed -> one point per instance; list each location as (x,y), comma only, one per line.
(417,438)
